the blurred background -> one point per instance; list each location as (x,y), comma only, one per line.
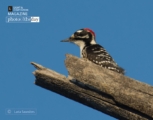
(123,28)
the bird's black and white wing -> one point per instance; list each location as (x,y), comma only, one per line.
(98,55)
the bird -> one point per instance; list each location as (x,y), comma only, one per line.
(86,39)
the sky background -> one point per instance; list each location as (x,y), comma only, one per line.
(123,27)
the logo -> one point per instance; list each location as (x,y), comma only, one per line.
(10,8)
(18,14)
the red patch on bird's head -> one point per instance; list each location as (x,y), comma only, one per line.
(89,30)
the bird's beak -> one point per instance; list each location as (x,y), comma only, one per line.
(66,40)
(70,39)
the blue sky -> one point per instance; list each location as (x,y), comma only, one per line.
(124,28)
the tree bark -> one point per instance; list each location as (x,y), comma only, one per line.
(99,88)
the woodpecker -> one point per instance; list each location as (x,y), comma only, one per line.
(90,50)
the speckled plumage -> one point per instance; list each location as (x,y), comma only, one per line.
(98,55)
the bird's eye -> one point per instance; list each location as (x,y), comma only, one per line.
(80,34)
(84,33)
(76,34)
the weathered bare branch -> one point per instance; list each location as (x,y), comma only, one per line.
(99,88)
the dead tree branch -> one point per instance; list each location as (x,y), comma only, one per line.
(99,88)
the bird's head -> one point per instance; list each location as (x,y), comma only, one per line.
(82,37)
